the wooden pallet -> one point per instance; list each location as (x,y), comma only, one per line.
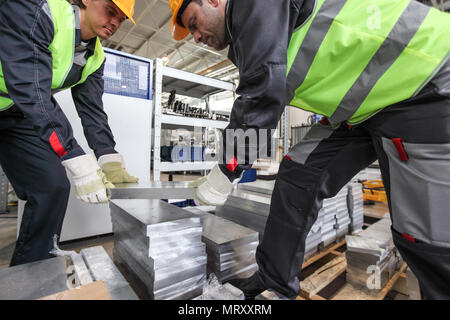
(350,292)
(333,267)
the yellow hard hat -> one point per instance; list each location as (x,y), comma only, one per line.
(127,7)
(178,32)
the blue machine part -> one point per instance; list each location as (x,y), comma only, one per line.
(248,176)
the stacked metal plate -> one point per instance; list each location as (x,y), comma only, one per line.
(259,186)
(230,248)
(371,256)
(153,190)
(342,216)
(247,208)
(160,245)
(355,205)
(328,212)
(314,238)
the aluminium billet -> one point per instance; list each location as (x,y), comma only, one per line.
(126,232)
(225,235)
(243,218)
(145,284)
(236,253)
(180,287)
(228,272)
(242,273)
(162,280)
(33,280)
(259,186)
(153,190)
(102,268)
(240,261)
(163,258)
(155,216)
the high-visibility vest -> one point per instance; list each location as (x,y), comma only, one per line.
(62,49)
(352,58)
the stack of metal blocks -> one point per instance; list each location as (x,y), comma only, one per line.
(247,208)
(327,214)
(342,215)
(371,256)
(230,247)
(160,246)
(313,239)
(355,204)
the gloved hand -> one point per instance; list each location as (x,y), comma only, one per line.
(90,182)
(113,167)
(213,189)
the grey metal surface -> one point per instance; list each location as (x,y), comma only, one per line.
(217,291)
(102,268)
(33,280)
(153,190)
(160,245)
(82,271)
(155,215)
(260,186)
(225,234)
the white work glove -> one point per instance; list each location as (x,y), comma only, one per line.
(213,189)
(90,183)
(113,167)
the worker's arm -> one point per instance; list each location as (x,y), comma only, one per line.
(26,32)
(88,101)
(260,38)
(87,97)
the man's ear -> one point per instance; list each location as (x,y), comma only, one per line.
(214,3)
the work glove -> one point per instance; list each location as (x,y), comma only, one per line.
(213,189)
(113,167)
(90,183)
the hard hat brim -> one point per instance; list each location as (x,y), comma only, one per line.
(178,32)
(122,8)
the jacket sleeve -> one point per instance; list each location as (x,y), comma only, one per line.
(259,44)
(89,104)
(26,31)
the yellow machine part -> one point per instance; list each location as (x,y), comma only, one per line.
(374,190)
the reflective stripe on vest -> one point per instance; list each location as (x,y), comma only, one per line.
(62,49)
(349,69)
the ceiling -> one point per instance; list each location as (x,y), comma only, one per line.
(151,38)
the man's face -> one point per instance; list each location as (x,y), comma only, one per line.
(102,18)
(206,23)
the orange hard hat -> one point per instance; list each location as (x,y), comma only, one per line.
(127,7)
(178,32)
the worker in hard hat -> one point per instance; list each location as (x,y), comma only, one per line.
(47,46)
(379,73)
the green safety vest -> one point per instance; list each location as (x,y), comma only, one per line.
(352,58)
(62,49)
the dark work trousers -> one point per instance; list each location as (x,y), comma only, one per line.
(411,141)
(37,176)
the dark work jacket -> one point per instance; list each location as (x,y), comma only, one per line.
(26,32)
(258,33)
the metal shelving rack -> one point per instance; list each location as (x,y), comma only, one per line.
(191,85)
